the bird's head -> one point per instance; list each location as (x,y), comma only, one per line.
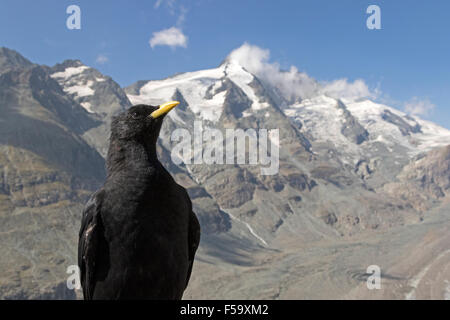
(141,123)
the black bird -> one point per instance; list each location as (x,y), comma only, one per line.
(138,233)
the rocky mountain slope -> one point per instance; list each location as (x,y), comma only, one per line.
(47,171)
(352,173)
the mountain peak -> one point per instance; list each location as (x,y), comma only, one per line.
(59,67)
(229,61)
(72,63)
(12,59)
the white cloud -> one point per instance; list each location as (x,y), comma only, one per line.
(182,16)
(174,8)
(172,37)
(293,84)
(341,88)
(101,59)
(169,3)
(419,107)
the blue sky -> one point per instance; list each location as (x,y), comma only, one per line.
(407,60)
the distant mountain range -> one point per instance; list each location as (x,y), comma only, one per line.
(349,170)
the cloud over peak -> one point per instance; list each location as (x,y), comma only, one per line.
(292,83)
(342,88)
(418,107)
(172,37)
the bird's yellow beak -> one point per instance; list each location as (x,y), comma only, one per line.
(163,109)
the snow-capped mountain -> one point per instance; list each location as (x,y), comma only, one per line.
(99,95)
(344,123)
(205,91)
(329,147)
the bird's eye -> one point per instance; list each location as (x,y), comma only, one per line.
(135,115)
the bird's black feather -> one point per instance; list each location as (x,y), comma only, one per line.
(194,241)
(91,234)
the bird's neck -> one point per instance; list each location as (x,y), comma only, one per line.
(133,159)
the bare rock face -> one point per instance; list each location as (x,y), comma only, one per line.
(425,180)
(10,59)
(366,168)
(300,182)
(211,217)
(236,101)
(404,127)
(231,188)
(431,172)
(351,128)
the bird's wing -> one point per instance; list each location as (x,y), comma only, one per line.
(193,239)
(90,233)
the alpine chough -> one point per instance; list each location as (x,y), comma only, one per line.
(138,233)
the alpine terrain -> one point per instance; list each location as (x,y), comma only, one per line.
(359,184)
